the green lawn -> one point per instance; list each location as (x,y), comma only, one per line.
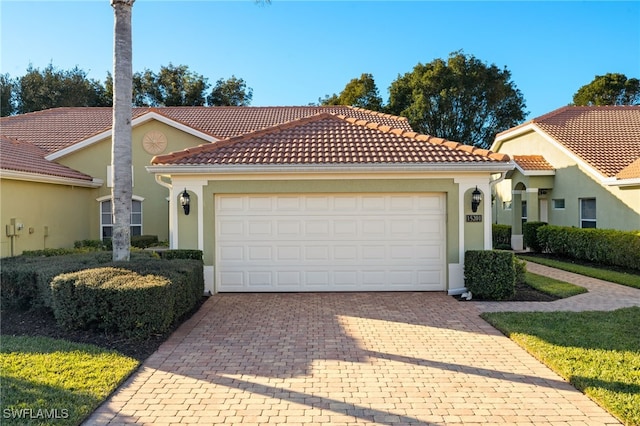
(597,352)
(552,286)
(48,381)
(630,278)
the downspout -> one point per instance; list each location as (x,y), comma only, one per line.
(160,182)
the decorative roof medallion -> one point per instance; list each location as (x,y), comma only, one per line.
(154,142)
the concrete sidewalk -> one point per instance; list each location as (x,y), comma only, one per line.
(345,359)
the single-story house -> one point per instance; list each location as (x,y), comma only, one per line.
(280,198)
(576,166)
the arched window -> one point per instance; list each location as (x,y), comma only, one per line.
(106,218)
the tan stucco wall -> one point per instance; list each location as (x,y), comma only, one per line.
(616,208)
(94,160)
(64,210)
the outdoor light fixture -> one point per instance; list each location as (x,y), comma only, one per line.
(476,198)
(185,201)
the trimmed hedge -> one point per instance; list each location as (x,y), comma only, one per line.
(491,274)
(180,254)
(25,279)
(144,241)
(530,235)
(601,246)
(114,299)
(501,236)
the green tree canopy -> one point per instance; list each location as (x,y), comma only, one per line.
(609,89)
(172,86)
(359,92)
(7,95)
(461,99)
(230,92)
(51,88)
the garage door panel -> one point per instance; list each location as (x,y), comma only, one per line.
(340,242)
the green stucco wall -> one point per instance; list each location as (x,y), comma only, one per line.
(94,160)
(64,210)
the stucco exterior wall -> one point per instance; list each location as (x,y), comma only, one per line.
(93,160)
(616,208)
(53,216)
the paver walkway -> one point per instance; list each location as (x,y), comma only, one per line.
(602,295)
(342,359)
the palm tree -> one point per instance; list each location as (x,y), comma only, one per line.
(122,191)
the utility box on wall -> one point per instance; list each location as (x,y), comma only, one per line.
(15,227)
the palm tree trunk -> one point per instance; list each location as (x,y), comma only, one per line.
(121,160)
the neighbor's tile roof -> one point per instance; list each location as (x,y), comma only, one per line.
(632,171)
(532,162)
(59,128)
(21,156)
(605,137)
(330,139)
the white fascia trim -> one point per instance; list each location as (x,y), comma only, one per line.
(333,169)
(135,122)
(621,182)
(56,180)
(509,134)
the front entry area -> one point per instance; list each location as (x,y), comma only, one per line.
(330,242)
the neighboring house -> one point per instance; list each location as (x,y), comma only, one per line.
(575,166)
(281,198)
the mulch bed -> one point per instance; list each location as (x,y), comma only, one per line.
(524,293)
(41,322)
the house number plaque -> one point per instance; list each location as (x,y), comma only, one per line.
(474,218)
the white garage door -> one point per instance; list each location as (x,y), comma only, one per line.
(330,242)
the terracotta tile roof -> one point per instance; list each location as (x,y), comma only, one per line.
(59,128)
(330,139)
(532,162)
(606,137)
(632,171)
(21,156)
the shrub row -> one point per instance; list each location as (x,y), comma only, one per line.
(501,236)
(26,279)
(492,274)
(137,300)
(530,235)
(603,246)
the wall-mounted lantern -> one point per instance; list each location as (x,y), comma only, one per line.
(185,201)
(476,199)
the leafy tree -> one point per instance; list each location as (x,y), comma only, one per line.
(230,92)
(359,92)
(7,95)
(609,89)
(121,156)
(172,86)
(51,88)
(461,99)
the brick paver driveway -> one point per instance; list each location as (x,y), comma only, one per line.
(354,358)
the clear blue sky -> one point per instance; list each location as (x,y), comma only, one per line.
(294,52)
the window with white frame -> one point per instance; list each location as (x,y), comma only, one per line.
(587,212)
(106,219)
(558,203)
(524,212)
